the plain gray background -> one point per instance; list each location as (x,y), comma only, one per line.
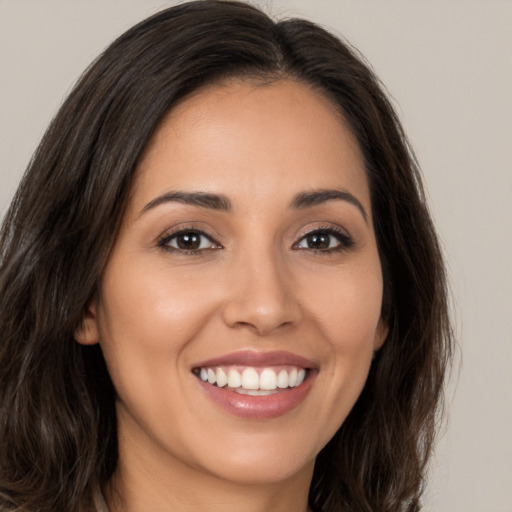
(448,66)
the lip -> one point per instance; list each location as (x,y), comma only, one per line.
(258,359)
(259,407)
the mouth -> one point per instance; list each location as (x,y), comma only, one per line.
(256,385)
(253,381)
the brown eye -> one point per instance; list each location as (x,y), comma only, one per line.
(325,240)
(318,241)
(188,241)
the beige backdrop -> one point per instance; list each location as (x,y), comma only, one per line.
(448,65)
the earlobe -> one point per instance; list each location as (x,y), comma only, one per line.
(381,334)
(87,333)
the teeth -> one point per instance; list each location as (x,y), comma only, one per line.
(212,378)
(292,378)
(250,382)
(255,392)
(268,379)
(222,378)
(234,379)
(282,379)
(250,379)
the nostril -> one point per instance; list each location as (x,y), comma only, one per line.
(261,317)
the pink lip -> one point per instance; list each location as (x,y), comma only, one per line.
(251,358)
(259,407)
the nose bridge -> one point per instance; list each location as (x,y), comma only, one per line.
(261,292)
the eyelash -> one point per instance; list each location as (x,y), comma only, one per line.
(165,240)
(346,242)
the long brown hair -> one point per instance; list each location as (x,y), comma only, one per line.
(58,440)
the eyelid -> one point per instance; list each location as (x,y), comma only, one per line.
(346,241)
(164,239)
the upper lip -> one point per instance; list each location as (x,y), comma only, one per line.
(253,358)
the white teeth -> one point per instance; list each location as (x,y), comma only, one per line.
(211,376)
(222,378)
(268,379)
(282,379)
(251,382)
(250,379)
(234,379)
(292,378)
(255,392)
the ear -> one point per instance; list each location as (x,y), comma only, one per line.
(380,334)
(87,333)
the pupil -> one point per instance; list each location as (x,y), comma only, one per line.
(189,241)
(318,241)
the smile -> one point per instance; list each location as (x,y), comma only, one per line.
(256,386)
(253,381)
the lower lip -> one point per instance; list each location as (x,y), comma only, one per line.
(259,407)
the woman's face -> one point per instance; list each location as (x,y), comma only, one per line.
(246,257)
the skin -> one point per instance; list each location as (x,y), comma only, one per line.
(256,285)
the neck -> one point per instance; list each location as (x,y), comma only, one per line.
(141,485)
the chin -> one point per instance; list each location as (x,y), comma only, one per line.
(267,470)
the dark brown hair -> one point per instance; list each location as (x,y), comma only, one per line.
(57,419)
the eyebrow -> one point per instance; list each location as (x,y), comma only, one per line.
(201,199)
(316,197)
(222,203)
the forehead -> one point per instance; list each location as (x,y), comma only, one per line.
(245,139)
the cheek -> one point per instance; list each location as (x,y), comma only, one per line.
(348,307)
(146,321)
(347,314)
(153,307)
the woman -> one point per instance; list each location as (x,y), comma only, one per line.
(220,284)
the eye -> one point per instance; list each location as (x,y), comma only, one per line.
(325,240)
(188,241)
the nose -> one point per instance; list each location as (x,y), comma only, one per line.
(261,296)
